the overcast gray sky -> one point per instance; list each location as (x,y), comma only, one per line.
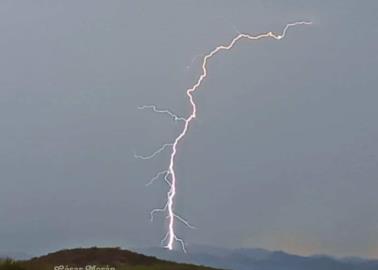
(283,154)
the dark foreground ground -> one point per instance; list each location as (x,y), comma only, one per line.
(96,259)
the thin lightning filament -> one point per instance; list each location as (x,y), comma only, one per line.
(169,175)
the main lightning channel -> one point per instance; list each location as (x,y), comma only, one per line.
(171,237)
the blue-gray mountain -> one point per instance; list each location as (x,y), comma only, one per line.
(259,259)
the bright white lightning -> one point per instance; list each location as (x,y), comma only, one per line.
(169,175)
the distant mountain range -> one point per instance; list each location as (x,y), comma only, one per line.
(221,258)
(15,255)
(258,259)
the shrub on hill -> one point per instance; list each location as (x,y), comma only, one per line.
(9,264)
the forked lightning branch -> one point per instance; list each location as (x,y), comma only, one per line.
(169,174)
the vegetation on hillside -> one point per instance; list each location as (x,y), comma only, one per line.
(102,258)
(9,264)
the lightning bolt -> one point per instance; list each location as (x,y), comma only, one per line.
(169,175)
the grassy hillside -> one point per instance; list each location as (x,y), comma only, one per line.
(102,258)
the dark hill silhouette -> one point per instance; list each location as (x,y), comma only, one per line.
(100,257)
(96,256)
